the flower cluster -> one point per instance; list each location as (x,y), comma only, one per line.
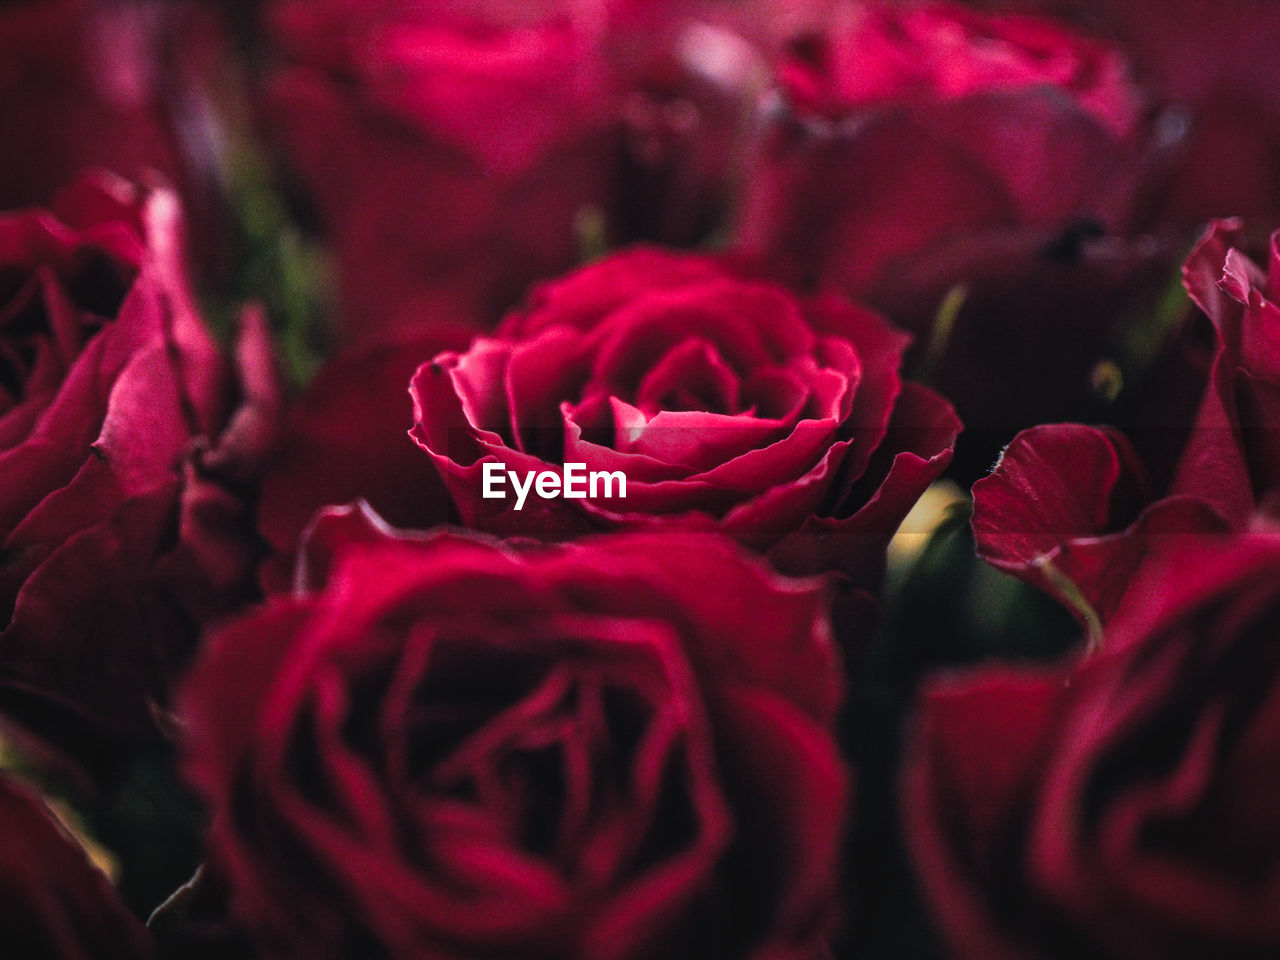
(635,479)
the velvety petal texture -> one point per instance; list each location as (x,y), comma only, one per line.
(727,404)
(1068,508)
(442,747)
(1129,811)
(127,449)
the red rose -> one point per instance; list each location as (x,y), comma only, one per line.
(440,747)
(1212,67)
(914,151)
(902,128)
(126,448)
(1127,807)
(727,404)
(694,73)
(449,151)
(53,902)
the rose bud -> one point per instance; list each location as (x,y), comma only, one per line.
(449,150)
(442,747)
(723,403)
(1124,808)
(127,448)
(1232,459)
(53,901)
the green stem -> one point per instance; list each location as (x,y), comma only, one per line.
(1070,594)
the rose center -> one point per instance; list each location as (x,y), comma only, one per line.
(49,314)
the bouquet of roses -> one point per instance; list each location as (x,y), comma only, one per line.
(635,479)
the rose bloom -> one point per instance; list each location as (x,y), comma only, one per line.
(897,129)
(1210,66)
(916,151)
(1073,503)
(449,149)
(127,446)
(1124,807)
(53,902)
(442,747)
(728,404)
